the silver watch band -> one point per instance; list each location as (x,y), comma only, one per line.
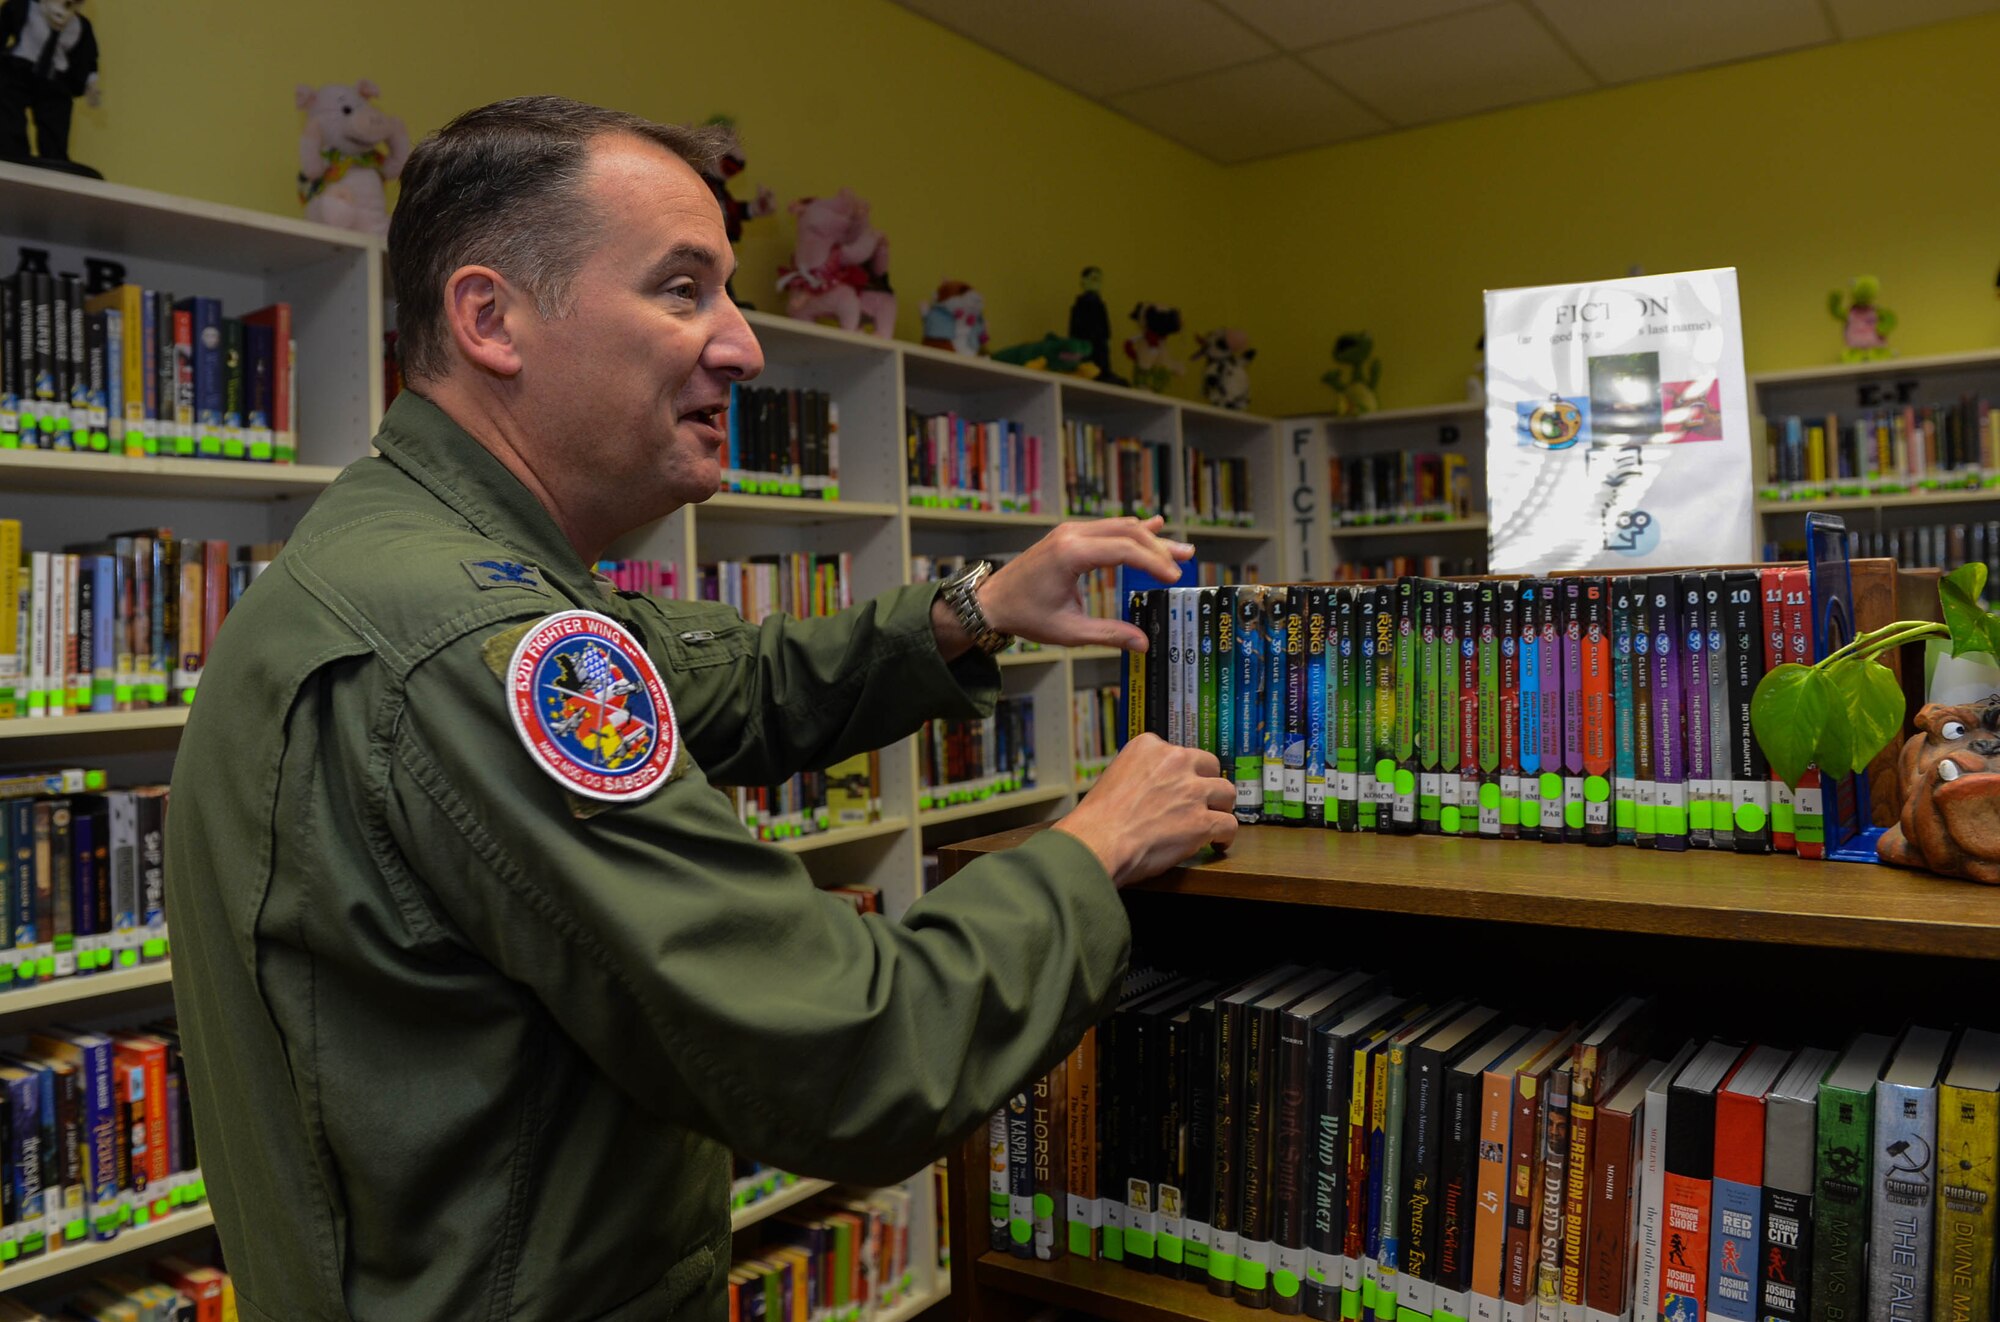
(961,593)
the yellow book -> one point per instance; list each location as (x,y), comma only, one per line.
(13,659)
(1968,1148)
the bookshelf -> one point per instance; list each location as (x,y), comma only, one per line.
(1807,949)
(336,282)
(1324,543)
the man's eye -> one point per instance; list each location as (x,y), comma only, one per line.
(686,289)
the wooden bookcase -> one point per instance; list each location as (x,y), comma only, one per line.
(1766,945)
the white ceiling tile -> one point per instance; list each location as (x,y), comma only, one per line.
(1461,64)
(1867,18)
(1255,110)
(1624,40)
(1102,47)
(1297,24)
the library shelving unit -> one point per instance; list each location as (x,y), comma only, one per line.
(1845,388)
(1759,947)
(335,282)
(1314,442)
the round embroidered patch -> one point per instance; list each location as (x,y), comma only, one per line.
(588,703)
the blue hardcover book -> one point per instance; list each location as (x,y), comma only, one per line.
(91,1053)
(1736,1211)
(102,570)
(23,1149)
(1250,702)
(84,884)
(1530,804)
(206,314)
(1277,637)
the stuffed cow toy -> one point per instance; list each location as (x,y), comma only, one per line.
(350,149)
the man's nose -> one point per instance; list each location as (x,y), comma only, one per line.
(734,349)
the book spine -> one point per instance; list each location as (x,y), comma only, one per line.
(1403,711)
(1388,1199)
(1170,1090)
(1599,718)
(1290,1174)
(1624,733)
(1734,1240)
(1292,796)
(997,1186)
(1510,712)
(1430,785)
(1669,752)
(1330,1066)
(1785,1271)
(1684,1271)
(1549,611)
(1046,1157)
(1750,790)
(1652,1199)
(1450,715)
(1222,1252)
(1782,796)
(1469,797)
(1080,1147)
(1607,1285)
(1694,702)
(1020,1179)
(1492,800)
(1205,714)
(1318,622)
(1345,641)
(1201,1151)
(1277,683)
(1722,809)
(1553,1165)
(1489,1217)
(1249,703)
(1379,710)
(1902,1216)
(1808,800)
(1571,628)
(1528,807)
(1517,1281)
(1458,1175)
(1253,1240)
(1225,679)
(1842,1180)
(1969,1139)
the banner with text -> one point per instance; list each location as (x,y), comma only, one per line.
(1617,425)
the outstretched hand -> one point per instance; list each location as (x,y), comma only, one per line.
(1037,594)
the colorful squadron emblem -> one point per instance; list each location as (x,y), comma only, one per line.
(588,703)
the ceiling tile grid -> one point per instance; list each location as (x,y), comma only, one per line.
(1238,80)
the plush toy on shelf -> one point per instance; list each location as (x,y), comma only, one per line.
(734,210)
(956,319)
(1053,353)
(1866,323)
(1090,321)
(840,267)
(1356,372)
(1225,381)
(1153,368)
(348,153)
(50,60)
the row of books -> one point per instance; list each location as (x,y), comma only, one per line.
(783,442)
(82,876)
(1928,546)
(1910,447)
(651,578)
(1399,486)
(1094,723)
(1585,710)
(1321,1143)
(800,583)
(1217,489)
(846,794)
(117,369)
(835,1259)
(97,1137)
(1106,475)
(171,1289)
(954,463)
(1400,566)
(969,761)
(118,624)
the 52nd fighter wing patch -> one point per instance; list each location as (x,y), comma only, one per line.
(590,708)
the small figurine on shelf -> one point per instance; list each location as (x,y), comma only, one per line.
(1153,368)
(1052,353)
(348,153)
(1090,321)
(1225,382)
(1475,380)
(734,211)
(1947,823)
(840,267)
(1355,374)
(50,60)
(1867,324)
(956,319)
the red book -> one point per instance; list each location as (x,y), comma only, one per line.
(1690,1166)
(1808,809)
(1614,1195)
(1773,583)
(279,318)
(215,591)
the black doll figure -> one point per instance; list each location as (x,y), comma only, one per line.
(50,59)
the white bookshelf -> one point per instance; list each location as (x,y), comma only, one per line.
(1318,545)
(153,1237)
(335,281)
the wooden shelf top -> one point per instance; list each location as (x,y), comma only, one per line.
(1104,1289)
(94,723)
(1888,500)
(92,1253)
(72,991)
(107,475)
(1477,523)
(1773,899)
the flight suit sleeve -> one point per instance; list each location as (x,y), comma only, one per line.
(760,703)
(706,975)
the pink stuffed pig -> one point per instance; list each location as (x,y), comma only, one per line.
(840,267)
(349,150)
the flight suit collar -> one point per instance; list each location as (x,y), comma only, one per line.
(423,441)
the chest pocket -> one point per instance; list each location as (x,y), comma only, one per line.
(708,639)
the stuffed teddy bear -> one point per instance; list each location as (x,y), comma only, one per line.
(1153,368)
(1225,382)
(840,266)
(956,319)
(349,150)
(1950,819)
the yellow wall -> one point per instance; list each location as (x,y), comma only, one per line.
(1801,171)
(976,169)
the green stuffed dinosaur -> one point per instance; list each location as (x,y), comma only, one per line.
(1354,377)
(1054,353)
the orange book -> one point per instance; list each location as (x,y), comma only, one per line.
(201,1284)
(149,1144)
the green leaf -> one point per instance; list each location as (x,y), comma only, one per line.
(1972,628)
(1874,702)
(1788,713)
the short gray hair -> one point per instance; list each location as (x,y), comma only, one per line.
(499,187)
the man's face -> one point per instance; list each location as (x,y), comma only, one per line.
(629,392)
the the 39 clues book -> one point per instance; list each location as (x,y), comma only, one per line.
(1617,425)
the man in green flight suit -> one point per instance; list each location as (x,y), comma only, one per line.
(479,979)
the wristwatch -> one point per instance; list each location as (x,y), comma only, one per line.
(961,593)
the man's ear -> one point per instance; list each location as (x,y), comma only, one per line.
(486,315)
